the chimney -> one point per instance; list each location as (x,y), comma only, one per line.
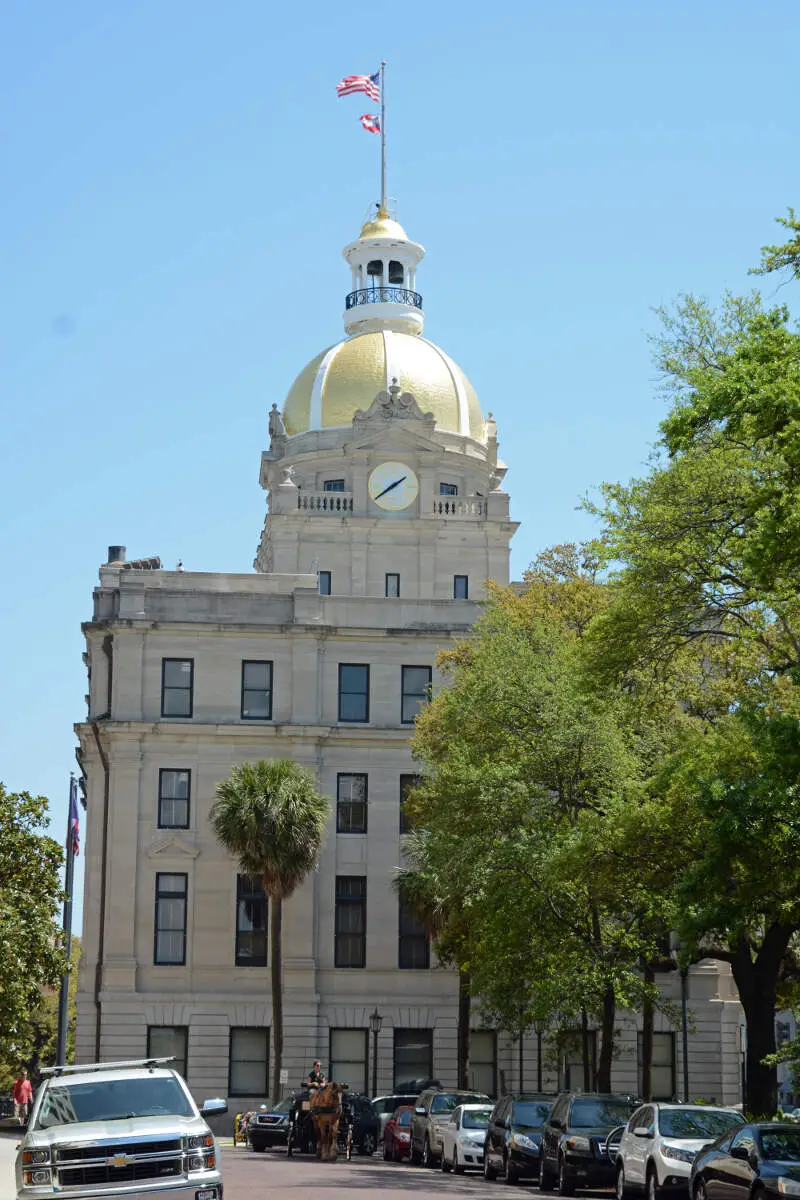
(116,554)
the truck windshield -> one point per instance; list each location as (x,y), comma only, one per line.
(112,1100)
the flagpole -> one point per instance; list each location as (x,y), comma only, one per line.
(63,999)
(383,137)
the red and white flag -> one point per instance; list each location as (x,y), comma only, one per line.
(369,84)
(371,123)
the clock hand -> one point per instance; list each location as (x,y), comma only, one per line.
(396,483)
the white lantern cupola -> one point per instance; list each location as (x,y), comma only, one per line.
(383,263)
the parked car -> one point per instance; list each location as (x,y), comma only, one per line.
(397,1134)
(660,1142)
(269,1125)
(386,1106)
(431,1109)
(575,1140)
(463,1137)
(514,1137)
(760,1160)
(366,1123)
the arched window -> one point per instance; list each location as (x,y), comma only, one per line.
(396,272)
(375,269)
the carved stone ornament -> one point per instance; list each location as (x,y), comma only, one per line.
(393,405)
(276,428)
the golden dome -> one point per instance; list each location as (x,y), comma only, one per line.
(383,227)
(345,377)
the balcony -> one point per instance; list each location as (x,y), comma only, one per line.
(383,295)
(336,504)
(453,509)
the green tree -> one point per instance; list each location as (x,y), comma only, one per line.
(785,256)
(39,1036)
(271,817)
(30,895)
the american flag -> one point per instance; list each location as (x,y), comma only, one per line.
(371,123)
(369,84)
(74,822)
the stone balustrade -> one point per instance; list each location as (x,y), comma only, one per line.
(325,503)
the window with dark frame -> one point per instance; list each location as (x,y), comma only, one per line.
(448,489)
(461,587)
(416,692)
(407,783)
(350,938)
(170,922)
(414,944)
(395,272)
(413,1055)
(169,1041)
(324,581)
(251,922)
(333,485)
(248,1063)
(347,1057)
(663,1069)
(351,803)
(392,585)
(177,687)
(256,690)
(353,692)
(483,1061)
(174,787)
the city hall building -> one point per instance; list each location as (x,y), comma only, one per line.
(386,514)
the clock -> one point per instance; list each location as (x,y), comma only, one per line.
(393,486)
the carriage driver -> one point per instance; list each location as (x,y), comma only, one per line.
(316,1076)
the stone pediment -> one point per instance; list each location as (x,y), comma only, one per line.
(391,406)
(173,846)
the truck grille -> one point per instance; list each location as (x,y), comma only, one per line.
(106,1175)
(87,1166)
(74,1154)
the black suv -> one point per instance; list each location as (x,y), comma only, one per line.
(514,1137)
(366,1122)
(574,1150)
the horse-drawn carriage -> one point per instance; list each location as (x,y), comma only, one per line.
(321,1122)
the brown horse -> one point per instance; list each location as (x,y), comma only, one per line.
(326,1110)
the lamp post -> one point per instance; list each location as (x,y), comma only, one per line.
(375,1024)
(675,946)
(539,1027)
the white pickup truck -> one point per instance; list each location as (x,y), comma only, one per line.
(126,1129)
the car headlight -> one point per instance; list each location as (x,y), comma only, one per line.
(36,1177)
(35,1156)
(196,1140)
(522,1142)
(578,1143)
(788,1186)
(681,1155)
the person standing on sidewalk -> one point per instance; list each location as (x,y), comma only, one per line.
(22,1093)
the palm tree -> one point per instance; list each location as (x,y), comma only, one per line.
(442,913)
(270,815)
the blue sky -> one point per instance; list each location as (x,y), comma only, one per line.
(179,180)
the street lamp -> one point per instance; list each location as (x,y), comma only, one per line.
(539,1027)
(375,1024)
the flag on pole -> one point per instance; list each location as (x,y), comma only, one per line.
(74,822)
(372,123)
(369,84)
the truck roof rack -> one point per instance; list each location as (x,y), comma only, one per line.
(86,1068)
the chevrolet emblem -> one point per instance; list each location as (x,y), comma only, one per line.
(119,1160)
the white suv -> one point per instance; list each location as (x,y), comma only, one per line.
(114,1129)
(659,1145)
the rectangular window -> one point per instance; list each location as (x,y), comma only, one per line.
(393,586)
(169,1041)
(407,782)
(174,787)
(351,804)
(347,1058)
(461,587)
(324,578)
(333,485)
(448,489)
(414,946)
(249,1063)
(413,1056)
(350,948)
(256,691)
(251,922)
(663,1071)
(483,1061)
(170,933)
(416,692)
(353,692)
(177,687)
(573,1061)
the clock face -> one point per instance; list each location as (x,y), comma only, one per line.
(393,486)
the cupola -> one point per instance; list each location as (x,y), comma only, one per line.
(383,264)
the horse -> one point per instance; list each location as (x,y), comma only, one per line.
(326,1111)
